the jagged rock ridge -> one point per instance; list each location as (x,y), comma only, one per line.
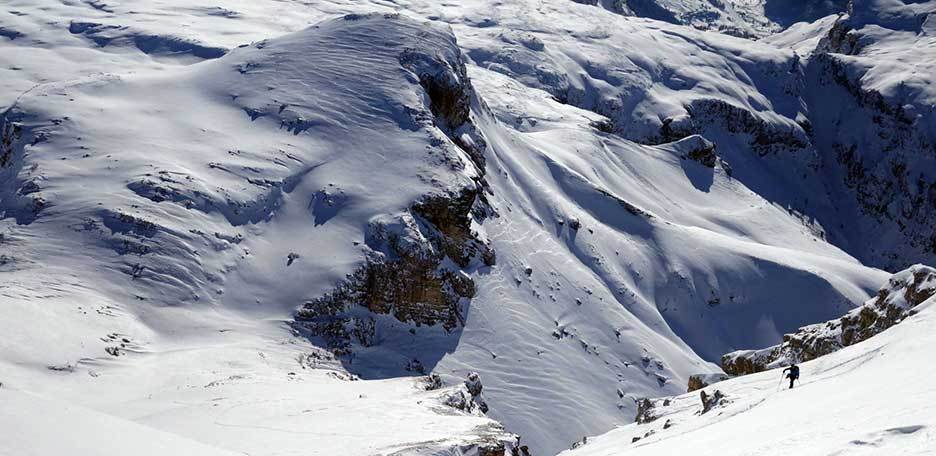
(893,303)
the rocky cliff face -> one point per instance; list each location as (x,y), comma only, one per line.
(414,272)
(699,381)
(857,139)
(417,260)
(865,74)
(9,133)
(395,162)
(851,132)
(893,303)
(20,193)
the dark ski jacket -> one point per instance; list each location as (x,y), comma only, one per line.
(794,371)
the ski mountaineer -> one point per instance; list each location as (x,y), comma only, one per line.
(793,375)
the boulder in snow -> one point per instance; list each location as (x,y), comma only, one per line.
(699,381)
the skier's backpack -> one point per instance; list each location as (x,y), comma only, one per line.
(794,372)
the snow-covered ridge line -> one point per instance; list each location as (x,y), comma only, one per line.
(895,301)
(448,96)
(674,206)
(416,259)
(868,72)
(658,83)
(837,407)
(248,184)
(105,35)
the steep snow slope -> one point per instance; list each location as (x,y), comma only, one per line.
(251,185)
(872,76)
(870,108)
(145,215)
(792,106)
(209,154)
(870,398)
(577,320)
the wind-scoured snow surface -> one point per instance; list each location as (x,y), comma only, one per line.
(177,178)
(227,394)
(150,281)
(865,399)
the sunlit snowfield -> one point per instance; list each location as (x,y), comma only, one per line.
(177,178)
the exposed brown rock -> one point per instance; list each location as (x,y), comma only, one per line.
(497,449)
(894,302)
(841,39)
(10,132)
(696,148)
(711,401)
(699,381)
(406,274)
(451,216)
(745,362)
(645,411)
(706,157)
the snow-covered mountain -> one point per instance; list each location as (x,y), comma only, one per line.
(213,217)
(865,399)
(894,302)
(744,18)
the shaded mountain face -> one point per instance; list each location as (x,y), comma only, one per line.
(894,302)
(741,18)
(787,12)
(869,180)
(867,73)
(580,208)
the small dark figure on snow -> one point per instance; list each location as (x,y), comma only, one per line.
(793,375)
